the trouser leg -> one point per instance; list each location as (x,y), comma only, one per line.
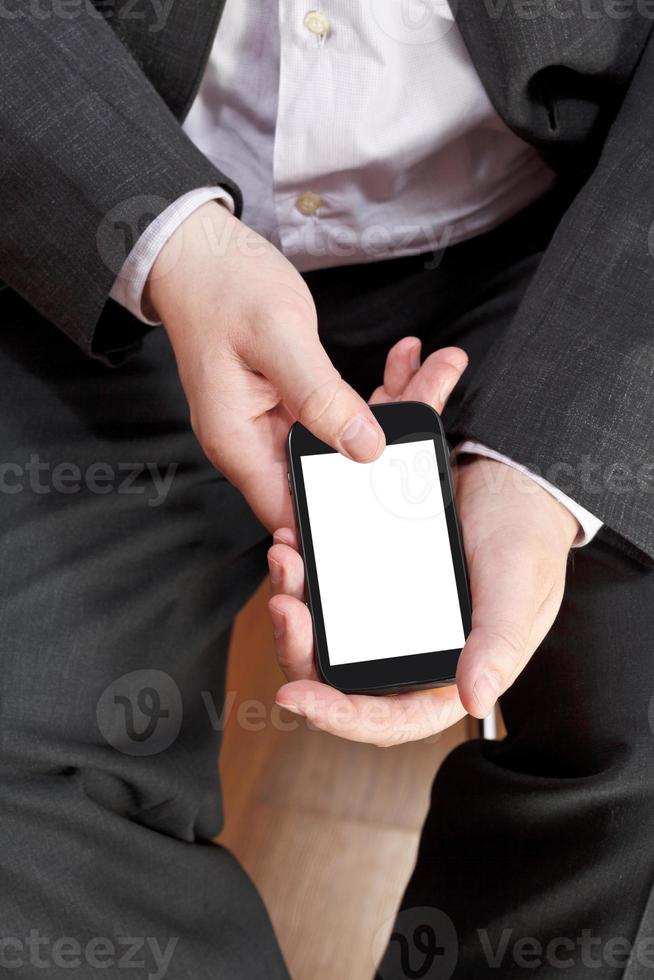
(537,856)
(124,559)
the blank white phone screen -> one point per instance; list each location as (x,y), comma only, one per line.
(382,554)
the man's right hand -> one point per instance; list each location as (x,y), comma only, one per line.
(243,326)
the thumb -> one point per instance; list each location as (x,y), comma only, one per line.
(509,589)
(314,392)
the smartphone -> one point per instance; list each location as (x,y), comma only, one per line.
(385,572)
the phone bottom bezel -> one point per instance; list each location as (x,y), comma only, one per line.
(393,675)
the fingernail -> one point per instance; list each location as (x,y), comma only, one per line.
(289,706)
(275,570)
(415,357)
(360,438)
(487,689)
(278,623)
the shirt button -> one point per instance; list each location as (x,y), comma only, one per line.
(308,203)
(317,22)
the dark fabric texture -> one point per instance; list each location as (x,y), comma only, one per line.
(569,390)
(90,154)
(537,856)
(117,600)
(556,70)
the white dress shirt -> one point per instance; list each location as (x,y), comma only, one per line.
(357,132)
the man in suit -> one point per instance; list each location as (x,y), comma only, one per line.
(503,158)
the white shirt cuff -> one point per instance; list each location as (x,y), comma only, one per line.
(589,524)
(130,282)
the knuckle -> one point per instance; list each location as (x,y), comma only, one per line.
(391,737)
(404,736)
(400,726)
(388,741)
(299,315)
(295,313)
(207,438)
(286,663)
(512,639)
(212,451)
(320,401)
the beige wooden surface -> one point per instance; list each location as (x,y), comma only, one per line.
(327,829)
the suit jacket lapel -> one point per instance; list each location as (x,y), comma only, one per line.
(553,69)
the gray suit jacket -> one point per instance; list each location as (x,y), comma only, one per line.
(92,150)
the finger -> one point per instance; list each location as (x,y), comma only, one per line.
(509,594)
(402,362)
(263,484)
(286,535)
(379,396)
(286,570)
(293,635)
(293,358)
(382,721)
(437,377)
(249,451)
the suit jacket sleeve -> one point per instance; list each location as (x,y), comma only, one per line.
(89,156)
(569,391)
